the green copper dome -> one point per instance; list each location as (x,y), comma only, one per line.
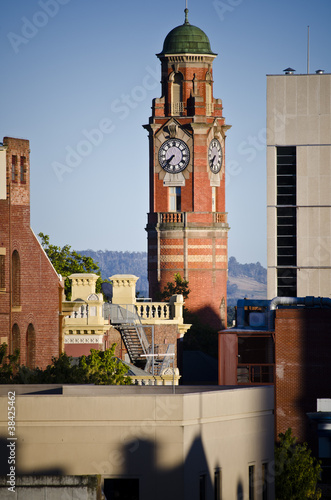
(186,39)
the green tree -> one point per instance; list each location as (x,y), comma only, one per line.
(177,287)
(102,368)
(297,472)
(67,262)
(99,368)
(9,364)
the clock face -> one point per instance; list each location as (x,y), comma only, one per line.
(174,156)
(215,156)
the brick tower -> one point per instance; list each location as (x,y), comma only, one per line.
(187,224)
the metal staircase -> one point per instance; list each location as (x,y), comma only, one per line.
(140,351)
(133,344)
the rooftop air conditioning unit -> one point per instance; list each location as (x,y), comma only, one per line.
(257,319)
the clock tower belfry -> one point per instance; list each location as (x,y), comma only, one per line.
(187,224)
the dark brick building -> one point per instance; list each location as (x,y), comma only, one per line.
(30,289)
(288,345)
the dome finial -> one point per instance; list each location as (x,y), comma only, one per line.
(186,15)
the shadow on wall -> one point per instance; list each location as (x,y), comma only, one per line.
(10,454)
(142,477)
(240,491)
(209,317)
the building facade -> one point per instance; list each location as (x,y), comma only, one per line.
(187,223)
(30,289)
(299,184)
(284,342)
(147,442)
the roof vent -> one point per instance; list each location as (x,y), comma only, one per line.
(319,71)
(289,71)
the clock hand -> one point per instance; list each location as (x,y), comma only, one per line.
(213,159)
(169,159)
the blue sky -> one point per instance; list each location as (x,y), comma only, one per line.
(80,76)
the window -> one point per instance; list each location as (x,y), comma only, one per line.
(218,485)
(13,168)
(16,279)
(286,222)
(22,170)
(209,106)
(202,487)
(177,95)
(16,338)
(126,488)
(2,272)
(255,360)
(174,199)
(251,471)
(31,347)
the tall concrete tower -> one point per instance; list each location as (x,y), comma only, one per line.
(299,184)
(187,223)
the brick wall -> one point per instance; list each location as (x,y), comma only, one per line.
(303,366)
(37,316)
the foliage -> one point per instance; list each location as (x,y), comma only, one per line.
(297,472)
(9,364)
(67,262)
(102,368)
(179,286)
(232,289)
(231,315)
(99,368)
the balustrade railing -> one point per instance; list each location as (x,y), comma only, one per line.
(179,217)
(153,310)
(171,217)
(220,217)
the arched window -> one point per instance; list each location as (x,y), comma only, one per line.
(16,279)
(177,105)
(209,105)
(15,338)
(31,347)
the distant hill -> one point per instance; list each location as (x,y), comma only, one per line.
(111,262)
(244,280)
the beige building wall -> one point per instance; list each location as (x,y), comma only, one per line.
(298,114)
(166,440)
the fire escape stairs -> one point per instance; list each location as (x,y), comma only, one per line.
(133,344)
(128,323)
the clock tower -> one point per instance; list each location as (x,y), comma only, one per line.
(187,223)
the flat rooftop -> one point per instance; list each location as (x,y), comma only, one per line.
(111,390)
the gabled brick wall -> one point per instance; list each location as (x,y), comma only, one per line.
(38,311)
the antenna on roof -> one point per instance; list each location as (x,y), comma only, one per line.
(308,51)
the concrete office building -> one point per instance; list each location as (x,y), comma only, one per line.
(146,442)
(299,184)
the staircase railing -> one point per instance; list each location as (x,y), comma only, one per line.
(127,315)
(168,358)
